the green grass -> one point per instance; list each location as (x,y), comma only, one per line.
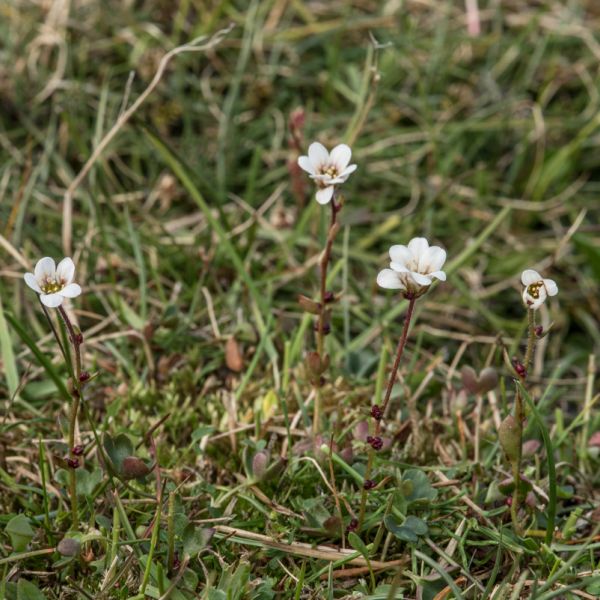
(188,231)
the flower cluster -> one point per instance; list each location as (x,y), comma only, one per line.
(53,283)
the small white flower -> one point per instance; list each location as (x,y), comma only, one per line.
(413,267)
(53,283)
(328,170)
(537,289)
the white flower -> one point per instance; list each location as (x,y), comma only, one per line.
(328,170)
(413,267)
(537,289)
(53,283)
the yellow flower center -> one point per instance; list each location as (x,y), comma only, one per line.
(331,171)
(51,286)
(534,289)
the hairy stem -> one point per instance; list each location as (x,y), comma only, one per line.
(386,400)
(321,320)
(75,340)
(519,418)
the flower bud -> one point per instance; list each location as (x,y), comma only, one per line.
(310,306)
(314,364)
(469,379)
(519,368)
(134,468)
(488,380)
(73,463)
(260,461)
(509,434)
(329,297)
(84,376)
(78,450)
(375,442)
(352,526)
(376,412)
(68,547)
(369,484)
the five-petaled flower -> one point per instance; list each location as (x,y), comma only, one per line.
(537,289)
(328,170)
(413,268)
(53,283)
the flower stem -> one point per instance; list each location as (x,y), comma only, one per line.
(75,340)
(321,320)
(386,400)
(399,352)
(519,418)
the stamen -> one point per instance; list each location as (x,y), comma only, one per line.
(534,289)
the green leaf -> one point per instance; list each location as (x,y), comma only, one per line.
(20,532)
(195,539)
(235,581)
(357,543)
(85,481)
(118,449)
(8,356)
(415,487)
(409,530)
(417,525)
(28,591)
(400,531)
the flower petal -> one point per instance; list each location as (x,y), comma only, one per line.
(45,269)
(70,291)
(65,271)
(418,246)
(325,195)
(389,279)
(340,157)
(305,164)
(399,267)
(318,155)
(51,300)
(434,260)
(400,254)
(348,170)
(550,286)
(530,276)
(420,279)
(31,281)
(438,275)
